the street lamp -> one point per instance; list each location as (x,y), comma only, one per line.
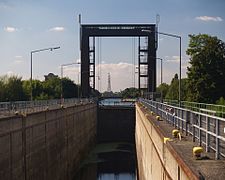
(161,70)
(178,37)
(31,66)
(161,79)
(64,65)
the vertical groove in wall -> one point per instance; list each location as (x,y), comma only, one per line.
(46,145)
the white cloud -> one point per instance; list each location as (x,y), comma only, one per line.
(78,61)
(209,18)
(5,5)
(176,59)
(10,73)
(57,29)
(18,61)
(9,29)
(18,56)
(121,76)
(173,59)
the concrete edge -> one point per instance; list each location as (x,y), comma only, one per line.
(180,161)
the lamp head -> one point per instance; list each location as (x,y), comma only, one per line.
(55,48)
(146,30)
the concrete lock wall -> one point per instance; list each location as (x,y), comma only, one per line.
(46,145)
(156,160)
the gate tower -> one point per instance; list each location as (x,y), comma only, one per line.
(146,54)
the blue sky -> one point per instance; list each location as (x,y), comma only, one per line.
(27,25)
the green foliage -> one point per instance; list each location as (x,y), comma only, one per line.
(11,89)
(69,88)
(26,88)
(221,101)
(130,93)
(2,89)
(37,88)
(14,89)
(163,88)
(173,91)
(206,75)
(52,88)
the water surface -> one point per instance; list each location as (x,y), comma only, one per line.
(110,161)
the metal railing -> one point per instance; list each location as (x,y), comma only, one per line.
(208,130)
(152,95)
(9,108)
(212,109)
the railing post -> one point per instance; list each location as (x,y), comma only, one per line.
(157,108)
(187,120)
(193,132)
(182,118)
(207,136)
(217,139)
(161,107)
(199,130)
(173,119)
(193,126)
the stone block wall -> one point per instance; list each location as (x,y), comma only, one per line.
(46,145)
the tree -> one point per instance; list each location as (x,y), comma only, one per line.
(2,88)
(221,101)
(206,75)
(163,88)
(130,93)
(173,90)
(69,88)
(37,89)
(26,89)
(52,88)
(13,89)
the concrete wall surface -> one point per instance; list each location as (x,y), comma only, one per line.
(156,159)
(46,145)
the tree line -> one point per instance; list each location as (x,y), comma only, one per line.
(13,88)
(205,80)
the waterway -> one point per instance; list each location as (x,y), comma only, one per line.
(109,161)
(117,102)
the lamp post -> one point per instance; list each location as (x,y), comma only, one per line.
(178,37)
(64,65)
(31,66)
(161,66)
(161,78)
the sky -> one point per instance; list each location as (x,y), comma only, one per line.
(27,25)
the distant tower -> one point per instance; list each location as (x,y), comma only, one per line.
(109,83)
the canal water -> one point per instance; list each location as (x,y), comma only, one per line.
(117,102)
(111,160)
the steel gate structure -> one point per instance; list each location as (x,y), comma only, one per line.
(146,54)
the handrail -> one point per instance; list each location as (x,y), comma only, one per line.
(207,129)
(9,108)
(215,109)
